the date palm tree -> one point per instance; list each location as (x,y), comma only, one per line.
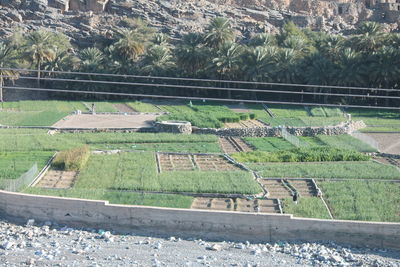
(191,55)
(7,60)
(218,32)
(130,44)
(39,49)
(157,61)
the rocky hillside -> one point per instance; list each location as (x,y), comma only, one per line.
(85,21)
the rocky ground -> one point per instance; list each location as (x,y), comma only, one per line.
(52,245)
(176,17)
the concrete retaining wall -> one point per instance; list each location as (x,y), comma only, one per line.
(213,225)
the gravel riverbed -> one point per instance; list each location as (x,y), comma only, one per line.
(49,244)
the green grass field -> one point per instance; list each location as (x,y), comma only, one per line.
(143,107)
(377,120)
(363,200)
(31,118)
(269,144)
(51,105)
(14,164)
(311,207)
(138,171)
(39,140)
(119,197)
(348,170)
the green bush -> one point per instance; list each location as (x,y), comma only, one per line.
(252,116)
(72,159)
(315,154)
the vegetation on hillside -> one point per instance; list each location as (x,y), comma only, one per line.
(368,58)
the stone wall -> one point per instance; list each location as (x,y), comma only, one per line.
(182,127)
(212,225)
(343,128)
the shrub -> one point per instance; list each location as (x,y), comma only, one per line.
(244,116)
(252,116)
(72,159)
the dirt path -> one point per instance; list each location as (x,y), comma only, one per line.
(106,121)
(124,108)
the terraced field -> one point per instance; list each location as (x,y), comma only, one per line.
(191,171)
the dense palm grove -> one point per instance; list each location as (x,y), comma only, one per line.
(367,58)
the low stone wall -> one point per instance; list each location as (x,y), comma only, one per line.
(342,128)
(183,127)
(211,225)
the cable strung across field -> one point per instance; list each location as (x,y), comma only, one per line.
(194,98)
(207,87)
(203,80)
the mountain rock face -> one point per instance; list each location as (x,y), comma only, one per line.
(88,21)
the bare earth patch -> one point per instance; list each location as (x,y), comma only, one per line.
(388,142)
(106,121)
(191,162)
(57,179)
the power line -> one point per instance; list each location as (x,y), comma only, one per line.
(204,80)
(195,98)
(206,87)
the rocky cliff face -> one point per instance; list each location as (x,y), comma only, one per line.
(87,21)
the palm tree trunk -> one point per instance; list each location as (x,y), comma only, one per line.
(38,74)
(1,89)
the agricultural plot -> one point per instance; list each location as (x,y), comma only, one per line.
(269,144)
(101,106)
(377,120)
(138,171)
(57,179)
(327,170)
(325,112)
(118,197)
(363,200)
(143,107)
(284,188)
(14,164)
(234,144)
(312,207)
(346,142)
(52,105)
(31,118)
(39,140)
(186,162)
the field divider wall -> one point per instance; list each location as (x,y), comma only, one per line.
(185,223)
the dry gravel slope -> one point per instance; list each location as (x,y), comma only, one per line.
(50,245)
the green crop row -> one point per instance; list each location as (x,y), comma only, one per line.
(363,200)
(31,118)
(14,164)
(138,171)
(301,155)
(119,197)
(143,107)
(30,140)
(327,170)
(326,112)
(311,207)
